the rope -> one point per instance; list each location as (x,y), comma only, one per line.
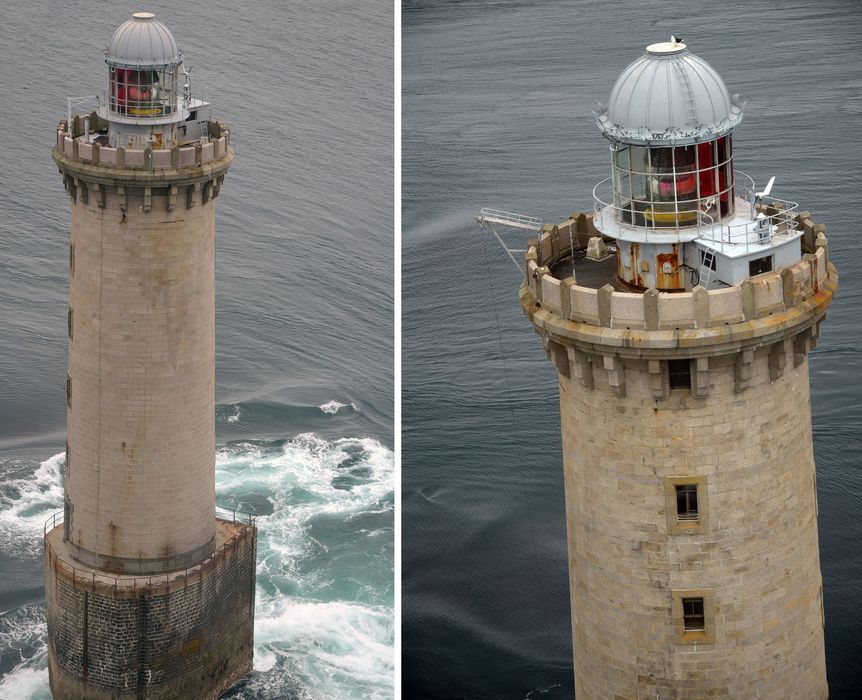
(514,430)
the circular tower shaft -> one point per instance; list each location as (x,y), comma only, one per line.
(140,478)
(689,477)
(752,554)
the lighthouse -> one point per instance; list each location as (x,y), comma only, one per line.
(679,314)
(149,588)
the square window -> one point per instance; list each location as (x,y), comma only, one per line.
(759,266)
(679,374)
(693,619)
(686,502)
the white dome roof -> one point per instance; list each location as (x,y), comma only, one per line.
(669,94)
(143,41)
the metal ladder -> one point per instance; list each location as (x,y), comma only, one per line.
(689,100)
(706,267)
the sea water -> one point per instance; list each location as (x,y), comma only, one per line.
(497,112)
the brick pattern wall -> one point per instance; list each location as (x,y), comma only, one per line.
(190,641)
(758,558)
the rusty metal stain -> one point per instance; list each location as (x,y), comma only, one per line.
(672,279)
(635,263)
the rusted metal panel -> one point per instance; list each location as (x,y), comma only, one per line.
(636,265)
(667,270)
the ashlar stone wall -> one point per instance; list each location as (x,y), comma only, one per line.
(182,636)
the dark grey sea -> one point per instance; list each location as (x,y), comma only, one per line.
(497,100)
(304,319)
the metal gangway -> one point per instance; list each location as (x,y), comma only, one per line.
(488,217)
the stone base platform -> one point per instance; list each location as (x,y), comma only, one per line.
(184,634)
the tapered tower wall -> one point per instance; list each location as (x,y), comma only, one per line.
(140,477)
(740,432)
(755,550)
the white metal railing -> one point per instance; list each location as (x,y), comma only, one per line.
(87,576)
(100,101)
(507,218)
(766,221)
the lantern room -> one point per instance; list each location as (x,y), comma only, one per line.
(678,211)
(148,97)
(669,120)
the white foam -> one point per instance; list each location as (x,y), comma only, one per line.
(23,632)
(347,644)
(222,413)
(313,647)
(25,503)
(25,683)
(300,483)
(330,408)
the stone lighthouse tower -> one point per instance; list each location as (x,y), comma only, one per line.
(150,591)
(679,315)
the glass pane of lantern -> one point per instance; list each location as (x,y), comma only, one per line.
(723,149)
(684,158)
(662,160)
(639,159)
(621,157)
(622,187)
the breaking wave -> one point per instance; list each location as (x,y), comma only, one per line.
(330,408)
(27,498)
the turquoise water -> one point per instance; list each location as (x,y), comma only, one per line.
(323,620)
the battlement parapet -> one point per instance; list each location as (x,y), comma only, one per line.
(195,170)
(760,305)
(72,144)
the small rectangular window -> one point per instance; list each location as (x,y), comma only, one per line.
(692,615)
(679,374)
(686,502)
(69,390)
(686,505)
(68,460)
(67,520)
(70,322)
(72,259)
(759,266)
